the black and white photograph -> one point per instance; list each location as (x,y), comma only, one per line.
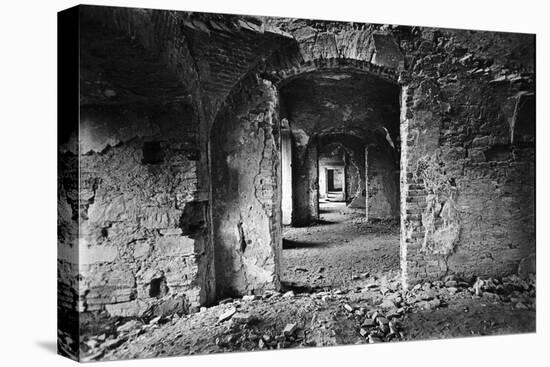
(251,181)
(240,183)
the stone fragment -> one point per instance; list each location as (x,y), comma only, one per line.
(242,318)
(394,327)
(92,343)
(384,328)
(226,315)
(248,298)
(477,287)
(290,329)
(387,304)
(368,323)
(348,307)
(452,290)
(288,294)
(154,320)
(363,332)
(127,326)
(261,344)
(451,283)
(374,339)
(382,320)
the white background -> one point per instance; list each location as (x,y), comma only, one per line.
(28,181)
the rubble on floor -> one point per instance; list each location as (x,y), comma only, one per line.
(375,311)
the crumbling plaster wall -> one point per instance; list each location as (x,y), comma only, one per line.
(141,203)
(246,193)
(142,220)
(467,188)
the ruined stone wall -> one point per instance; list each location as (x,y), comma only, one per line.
(246,193)
(142,200)
(383,192)
(143,224)
(467,182)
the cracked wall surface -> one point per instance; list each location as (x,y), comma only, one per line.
(245,193)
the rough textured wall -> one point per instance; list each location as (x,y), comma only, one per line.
(246,194)
(143,226)
(357,41)
(383,194)
(467,181)
(142,202)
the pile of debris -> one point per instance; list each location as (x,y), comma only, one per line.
(374,311)
(521,293)
(243,331)
(376,326)
(98,346)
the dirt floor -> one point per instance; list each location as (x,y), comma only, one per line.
(341,286)
(339,248)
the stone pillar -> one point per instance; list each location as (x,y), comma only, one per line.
(286,176)
(305,184)
(383,195)
(246,194)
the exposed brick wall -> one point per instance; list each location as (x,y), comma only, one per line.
(467,189)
